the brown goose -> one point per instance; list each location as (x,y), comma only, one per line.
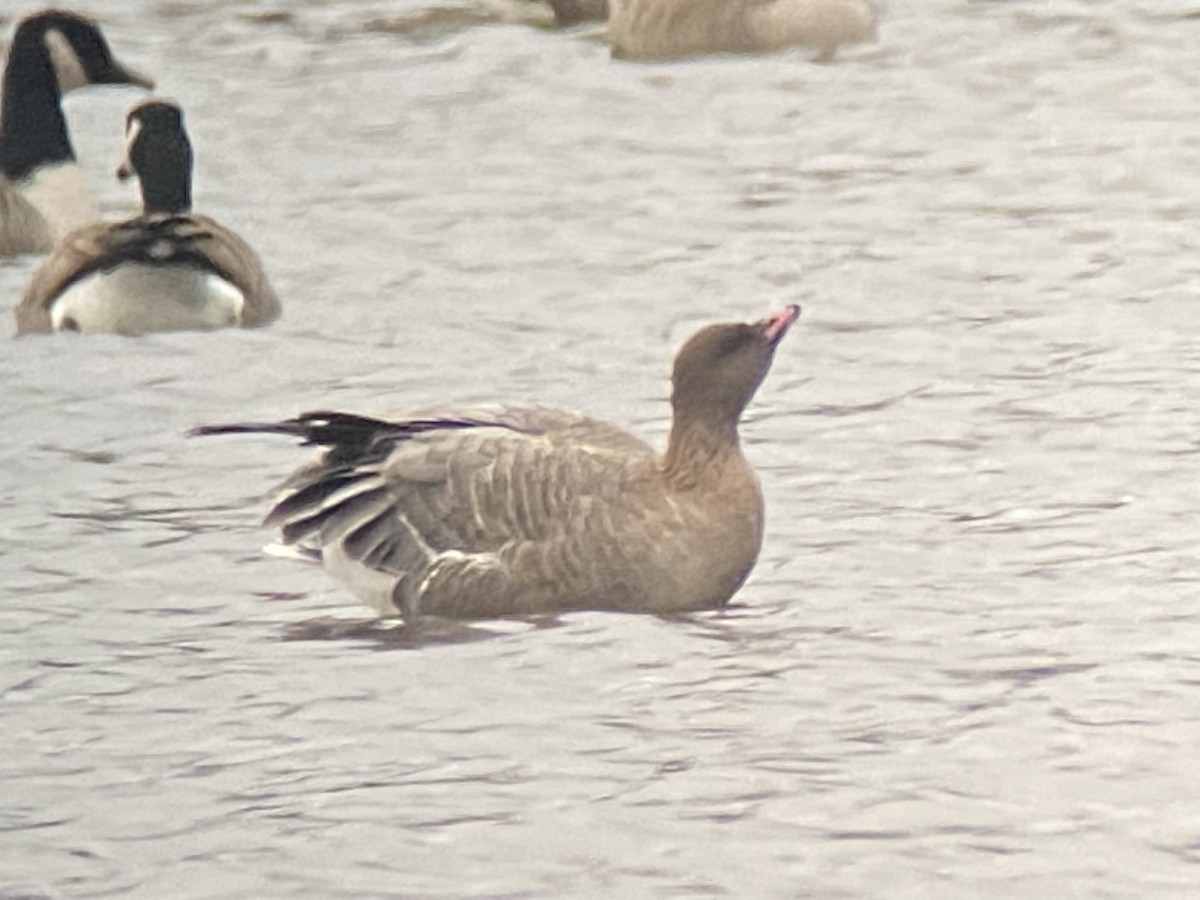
(530,510)
(43,193)
(673,29)
(167,269)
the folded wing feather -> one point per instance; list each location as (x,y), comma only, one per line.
(458,515)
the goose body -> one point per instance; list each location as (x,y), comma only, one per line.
(167,269)
(478,513)
(43,193)
(672,29)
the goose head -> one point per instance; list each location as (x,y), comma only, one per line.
(76,50)
(51,52)
(158,152)
(720,367)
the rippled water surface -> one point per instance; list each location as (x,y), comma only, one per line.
(967,664)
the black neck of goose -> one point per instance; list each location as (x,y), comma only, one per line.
(169,193)
(166,177)
(33,130)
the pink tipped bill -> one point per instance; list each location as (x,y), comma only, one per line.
(776,325)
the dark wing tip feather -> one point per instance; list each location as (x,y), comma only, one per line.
(322,428)
(288,428)
(338,429)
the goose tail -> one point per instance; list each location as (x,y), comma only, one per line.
(325,429)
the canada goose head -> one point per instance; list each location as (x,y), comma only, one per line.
(158,152)
(720,367)
(77,50)
(51,52)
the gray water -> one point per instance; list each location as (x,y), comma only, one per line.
(967,664)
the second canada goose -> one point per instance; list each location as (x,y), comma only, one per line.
(167,269)
(42,191)
(673,29)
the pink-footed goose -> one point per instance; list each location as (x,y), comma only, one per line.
(43,193)
(530,510)
(674,29)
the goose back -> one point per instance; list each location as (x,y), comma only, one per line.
(670,29)
(148,273)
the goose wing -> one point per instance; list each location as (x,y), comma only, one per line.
(235,261)
(79,253)
(556,426)
(825,24)
(458,515)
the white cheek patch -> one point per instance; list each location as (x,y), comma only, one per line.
(126,169)
(65,60)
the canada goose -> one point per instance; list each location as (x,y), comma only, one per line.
(672,29)
(528,510)
(164,270)
(43,194)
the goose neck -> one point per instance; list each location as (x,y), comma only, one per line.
(33,130)
(698,450)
